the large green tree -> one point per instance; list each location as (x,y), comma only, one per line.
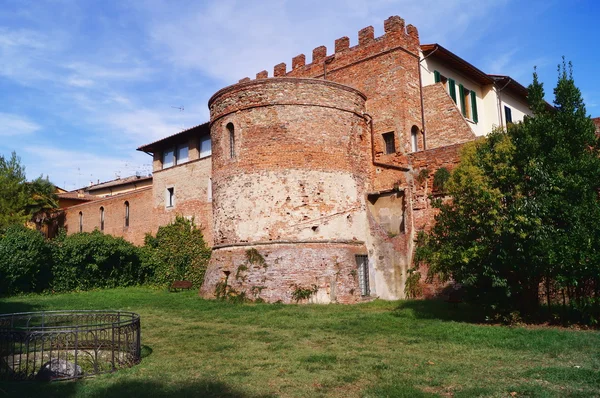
(20,201)
(13,195)
(525,212)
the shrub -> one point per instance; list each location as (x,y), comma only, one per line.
(86,260)
(177,252)
(25,261)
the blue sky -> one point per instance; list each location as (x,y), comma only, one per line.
(83,83)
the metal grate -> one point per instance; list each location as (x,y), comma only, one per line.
(362,261)
(58,345)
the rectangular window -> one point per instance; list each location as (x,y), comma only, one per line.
(182,154)
(507,114)
(168,158)
(362,263)
(205,147)
(170,197)
(390,144)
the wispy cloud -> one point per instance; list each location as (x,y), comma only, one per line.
(72,169)
(230,39)
(15,125)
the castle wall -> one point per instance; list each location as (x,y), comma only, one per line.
(295,186)
(140,215)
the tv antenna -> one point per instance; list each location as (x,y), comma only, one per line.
(181,109)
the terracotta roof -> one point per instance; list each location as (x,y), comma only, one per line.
(457,63)
(118,181)
(84,197)
(153,145)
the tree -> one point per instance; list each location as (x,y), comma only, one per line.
(525,211)
(13,196)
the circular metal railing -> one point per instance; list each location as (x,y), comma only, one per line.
(58,345)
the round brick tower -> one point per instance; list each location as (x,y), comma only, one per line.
(289,176)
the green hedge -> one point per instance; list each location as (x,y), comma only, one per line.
(91,260)
(25,261)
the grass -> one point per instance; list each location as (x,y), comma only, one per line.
(198,348)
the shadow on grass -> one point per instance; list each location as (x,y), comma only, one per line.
(438,309)
(127,389)
(7,307)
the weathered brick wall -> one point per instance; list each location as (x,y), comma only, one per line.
(443,120)
(431,160)
(597,124)
(190,182)
(141,219)
(298,177)
(331,268)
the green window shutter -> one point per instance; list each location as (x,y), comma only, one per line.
(474,107)
(461,94)
(436,76)
(452,89)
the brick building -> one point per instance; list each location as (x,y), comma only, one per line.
(314,178)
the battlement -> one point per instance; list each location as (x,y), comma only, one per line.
(396,35)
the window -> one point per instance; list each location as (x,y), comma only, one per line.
(181,155)
(126,214)
(439,78)
(414,138)
(170,197)
(362,263)
(102,219)
(390,145)
(507,114)
(209,190)
(205,147)
(168,158)
(231,130)
(80,222)
(468,103)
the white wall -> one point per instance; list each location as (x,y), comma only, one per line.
(489,113)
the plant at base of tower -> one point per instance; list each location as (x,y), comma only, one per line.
(523,226)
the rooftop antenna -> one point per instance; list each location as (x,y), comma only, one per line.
(181,109)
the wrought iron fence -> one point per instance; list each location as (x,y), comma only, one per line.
(58,345)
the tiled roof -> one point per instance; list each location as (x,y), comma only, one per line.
(152,146)
(118,181)
(84,197)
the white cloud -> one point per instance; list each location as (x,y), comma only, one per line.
(230,39)
(15,125)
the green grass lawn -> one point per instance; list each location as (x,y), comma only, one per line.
(199,348)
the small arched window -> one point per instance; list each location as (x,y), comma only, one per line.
(102,219)
(80,222)
(126,214)
(414,138)
(231,131)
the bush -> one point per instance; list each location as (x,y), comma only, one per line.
(85,261)
(177,252)
(25,261)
